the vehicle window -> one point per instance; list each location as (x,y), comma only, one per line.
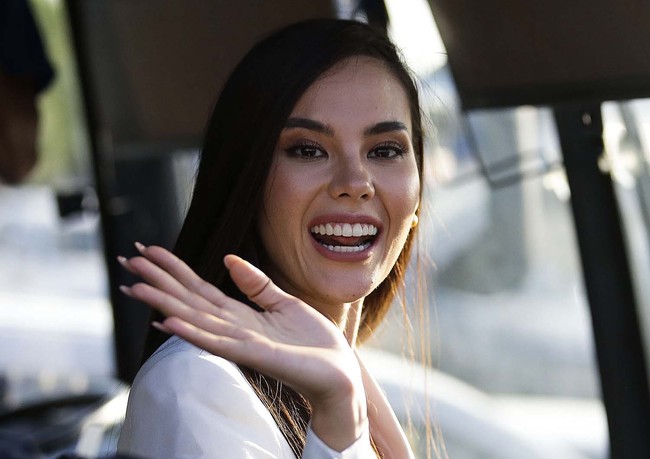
(507,309)
(55,318)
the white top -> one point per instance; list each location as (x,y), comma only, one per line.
(187,403)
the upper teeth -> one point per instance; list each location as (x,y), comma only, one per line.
(345,229)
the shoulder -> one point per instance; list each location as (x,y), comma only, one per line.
(178,375)
(186,402)
(178,364)
(182,377)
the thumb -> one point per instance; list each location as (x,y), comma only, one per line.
(253,283)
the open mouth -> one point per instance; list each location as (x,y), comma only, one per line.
(344,237)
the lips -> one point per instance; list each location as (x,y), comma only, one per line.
(344,237)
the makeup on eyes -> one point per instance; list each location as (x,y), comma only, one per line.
(305,149)
(393,139)
(396,147)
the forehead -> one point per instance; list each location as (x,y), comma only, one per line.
(359,87)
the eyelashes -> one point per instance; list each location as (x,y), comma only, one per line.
(387,150)
(308,150)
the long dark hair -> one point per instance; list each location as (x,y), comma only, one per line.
(236,159)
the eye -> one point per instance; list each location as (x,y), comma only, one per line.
(388,150)
(306,150)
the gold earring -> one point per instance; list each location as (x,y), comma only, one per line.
(415,221)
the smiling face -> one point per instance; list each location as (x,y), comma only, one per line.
(343,188)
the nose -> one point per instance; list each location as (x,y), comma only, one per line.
(351,179)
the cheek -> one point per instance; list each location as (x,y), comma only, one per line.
(405,196)
(404,201)
(281,195)
(280,220)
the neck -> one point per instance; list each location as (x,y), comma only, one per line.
(352,321)
(346,316)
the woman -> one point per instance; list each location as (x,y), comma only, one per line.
(324,114)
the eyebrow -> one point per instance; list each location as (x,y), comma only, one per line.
(307,123)
(385,126)
(313,125)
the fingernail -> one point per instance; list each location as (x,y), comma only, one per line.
(161,327)
(126,290)
(139,246)
(228,260)
(122,260)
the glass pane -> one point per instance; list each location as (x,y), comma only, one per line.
(627,156)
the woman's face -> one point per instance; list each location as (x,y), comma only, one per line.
(343,188)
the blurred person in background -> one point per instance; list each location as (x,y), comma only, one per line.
(24,72)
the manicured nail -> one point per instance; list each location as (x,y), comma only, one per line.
(122,260)
(126,290)
(161,327)
(140,247)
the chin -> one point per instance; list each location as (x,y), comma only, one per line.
(342,293)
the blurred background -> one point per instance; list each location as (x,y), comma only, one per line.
(513,367)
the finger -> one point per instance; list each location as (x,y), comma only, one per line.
(142,267)
(232,343)
(242,347)
(156,276)
(125,264)
(256,285)
(162,280)
(159,326)
(180,271)
(160,300)
(168,305)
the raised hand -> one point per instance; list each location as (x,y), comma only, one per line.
(289,341)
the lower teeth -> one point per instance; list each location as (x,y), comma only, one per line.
(347,248)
